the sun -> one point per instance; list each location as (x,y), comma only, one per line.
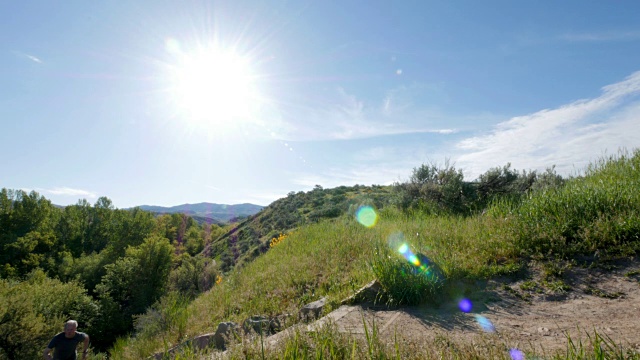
(213,87)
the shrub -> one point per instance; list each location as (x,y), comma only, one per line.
(407,279)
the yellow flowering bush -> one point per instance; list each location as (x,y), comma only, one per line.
(277,240)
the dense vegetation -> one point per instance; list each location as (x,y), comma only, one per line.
(113,264)
(167,278)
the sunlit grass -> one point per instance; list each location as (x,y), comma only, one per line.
(595,213)
(334,258)
(598,212)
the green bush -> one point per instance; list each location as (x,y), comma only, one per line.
(34,310)
(411,279)
(594,213)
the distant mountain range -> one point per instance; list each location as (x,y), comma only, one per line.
(208,212)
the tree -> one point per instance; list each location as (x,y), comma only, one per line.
(26,232)
(194,276)
(194,240)
(436,189)
(133,283)
(32,311)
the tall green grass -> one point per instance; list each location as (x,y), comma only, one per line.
(598,212)
(595,212)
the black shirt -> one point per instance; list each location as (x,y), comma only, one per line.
(65,348)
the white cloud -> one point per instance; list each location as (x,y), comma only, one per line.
(65,191)
(569,136)
(347,117)
(30,57)
(33,58)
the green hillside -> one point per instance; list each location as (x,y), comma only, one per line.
(250,238)
(553,220)
(145,284)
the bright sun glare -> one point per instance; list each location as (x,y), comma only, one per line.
(213,87)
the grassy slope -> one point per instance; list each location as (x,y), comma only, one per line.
(332,258)
(250,238)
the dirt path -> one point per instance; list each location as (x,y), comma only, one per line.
(605,301)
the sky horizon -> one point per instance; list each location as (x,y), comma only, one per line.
(166,103)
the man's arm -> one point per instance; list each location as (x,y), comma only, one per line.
(85,347)
(47,354)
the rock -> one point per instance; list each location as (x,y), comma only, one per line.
(218,339)
(257,324)
(313,310)
(202,341)
(369,293)
(544,331)
(223,332)
(279,323)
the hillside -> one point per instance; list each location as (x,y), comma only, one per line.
(208,212)
(141,283)
(251,237)
(519,249)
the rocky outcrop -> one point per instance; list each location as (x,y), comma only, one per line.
(253,325)
(313,310)
(372,293)
(219,340)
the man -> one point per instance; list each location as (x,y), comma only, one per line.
(65,343)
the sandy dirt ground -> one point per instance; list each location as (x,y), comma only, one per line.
(604,300)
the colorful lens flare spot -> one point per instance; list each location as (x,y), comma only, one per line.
(465,305)
(395,241)
(411,257)
(516,354)
(485,323)
(366,216)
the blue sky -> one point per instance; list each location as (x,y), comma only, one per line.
(167,102)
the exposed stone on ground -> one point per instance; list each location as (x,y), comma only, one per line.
(540,323)
(370,293)
(223,332)
(279,323)
(313,310)
(257,324)
(218,339)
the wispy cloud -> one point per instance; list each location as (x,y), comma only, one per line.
(569,136)
(65,191)
(347,117)
(630,35)
(27,56)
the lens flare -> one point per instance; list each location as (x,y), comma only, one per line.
(395,241)
(465,305)
(421,263)
(516,354)
(366,216)
(485,323)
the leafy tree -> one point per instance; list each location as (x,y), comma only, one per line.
(131,228)
(194,276)
(26,232)
(548,180)
(436,189)
(194,240)
(72,229)
(133,283)
(101,226)
(87,269)
(34,310)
